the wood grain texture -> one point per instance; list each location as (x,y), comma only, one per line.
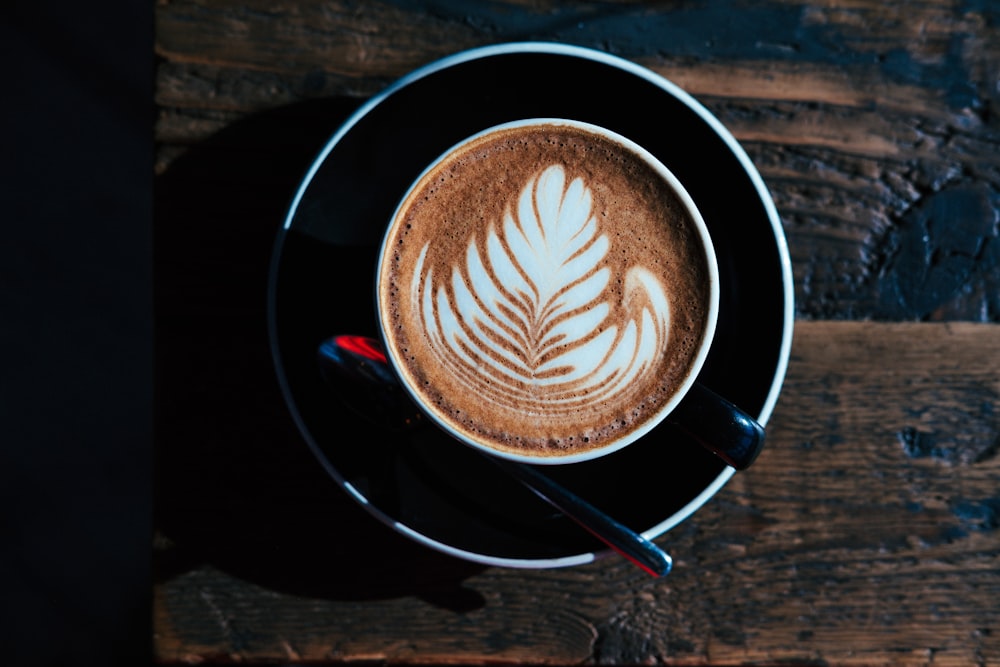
(868,532)
(874,124)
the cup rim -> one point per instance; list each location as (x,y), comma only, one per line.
(704,345)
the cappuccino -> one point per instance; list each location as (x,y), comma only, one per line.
(546,290)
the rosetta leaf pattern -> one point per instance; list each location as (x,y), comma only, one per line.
(528,320)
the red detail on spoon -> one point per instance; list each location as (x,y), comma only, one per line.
(363,346)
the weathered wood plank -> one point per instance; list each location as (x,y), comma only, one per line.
(872,122)
(868,532)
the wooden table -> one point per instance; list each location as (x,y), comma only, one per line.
(869,530)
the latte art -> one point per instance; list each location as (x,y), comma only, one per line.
(525,321)
(545,291)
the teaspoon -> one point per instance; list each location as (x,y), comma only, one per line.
(360,364)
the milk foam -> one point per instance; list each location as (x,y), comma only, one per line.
(524,322)
(544,291)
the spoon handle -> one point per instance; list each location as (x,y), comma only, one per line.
(358,364)
(619,537)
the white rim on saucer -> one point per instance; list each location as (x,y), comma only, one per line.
(733,146)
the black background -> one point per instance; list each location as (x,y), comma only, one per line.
(76,332)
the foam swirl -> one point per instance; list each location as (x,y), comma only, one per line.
(529,322)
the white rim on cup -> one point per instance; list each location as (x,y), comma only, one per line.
(712,315)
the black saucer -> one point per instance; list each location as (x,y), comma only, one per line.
(424,484)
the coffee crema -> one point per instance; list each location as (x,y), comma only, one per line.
(543,290)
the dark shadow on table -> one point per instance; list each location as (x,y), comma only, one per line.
(236,486)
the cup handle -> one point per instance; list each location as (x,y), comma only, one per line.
(719,426)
